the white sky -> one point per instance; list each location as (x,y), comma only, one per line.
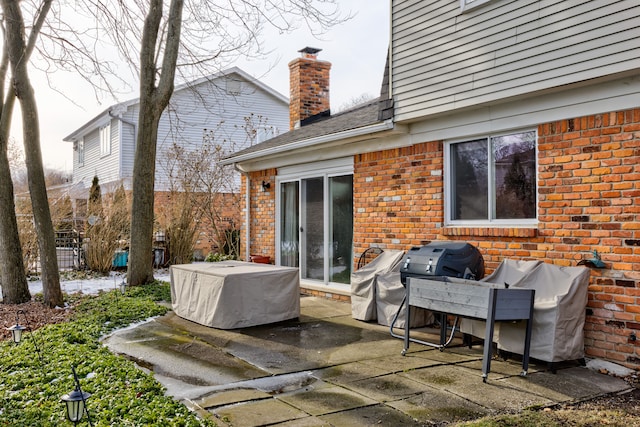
(356,49)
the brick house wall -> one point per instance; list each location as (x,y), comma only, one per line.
(262,214)
(588,199)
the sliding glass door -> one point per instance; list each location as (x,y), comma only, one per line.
(316,227)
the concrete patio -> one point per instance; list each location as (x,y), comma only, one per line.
(327,369)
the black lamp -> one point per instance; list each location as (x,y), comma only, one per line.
(266,185)
(16,332)
(17,329)
(76,402)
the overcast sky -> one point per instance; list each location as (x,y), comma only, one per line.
(356,49)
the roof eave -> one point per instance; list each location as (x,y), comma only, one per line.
(387,125)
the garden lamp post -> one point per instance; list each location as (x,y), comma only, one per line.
(18,329)
(16,332)
(123,286)
(76,402)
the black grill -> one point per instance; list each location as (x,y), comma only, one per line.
(452,259)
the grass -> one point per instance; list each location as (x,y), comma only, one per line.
(122,394)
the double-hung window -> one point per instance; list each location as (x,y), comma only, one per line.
(105,140)
(492,180)
(81,152)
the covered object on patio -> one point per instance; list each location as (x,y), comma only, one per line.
(235,294)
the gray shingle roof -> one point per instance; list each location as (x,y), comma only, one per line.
(372,112)
(357,117)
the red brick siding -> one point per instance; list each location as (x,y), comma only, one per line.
(262,214)
(589,199)
(207,240)
(308,88)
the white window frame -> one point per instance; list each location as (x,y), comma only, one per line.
(326,170)
(81,152)
(491,222)
(466,5)
(105,140)
(264,133)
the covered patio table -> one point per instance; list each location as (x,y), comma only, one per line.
(235,294)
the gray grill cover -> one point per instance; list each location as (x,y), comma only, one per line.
(558,313)
(363,284)
(235,294)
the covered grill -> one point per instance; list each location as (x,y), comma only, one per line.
(453,259)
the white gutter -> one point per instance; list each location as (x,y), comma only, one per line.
(247,218)
(352,133)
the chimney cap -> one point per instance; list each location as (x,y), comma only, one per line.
(309,52)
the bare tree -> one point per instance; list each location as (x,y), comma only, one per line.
(61,45)
(16,54)
(211,34)
(155,94)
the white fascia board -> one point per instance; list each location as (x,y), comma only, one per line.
(99,120)
(311,142)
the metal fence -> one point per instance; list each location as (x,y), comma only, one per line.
(69,250)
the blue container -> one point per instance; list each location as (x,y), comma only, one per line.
(120,259)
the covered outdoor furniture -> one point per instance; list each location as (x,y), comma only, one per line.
(390,294)
(363,284)
(235,294)
(559,310)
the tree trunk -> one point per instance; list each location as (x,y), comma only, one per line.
(18,56)
(12,277)
(153,101)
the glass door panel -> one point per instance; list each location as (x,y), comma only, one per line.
(341,226)
(312,228)
(289,224)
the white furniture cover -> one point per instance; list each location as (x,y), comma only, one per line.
(235,294)
(389,295)
(558,313)
(363,284)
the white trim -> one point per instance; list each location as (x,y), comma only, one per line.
(341,166)
(296,173)
(490,222)
(467,5)
(332,287)
(617,94)
(297,145)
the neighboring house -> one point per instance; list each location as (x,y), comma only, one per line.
(233,106)
(515,126)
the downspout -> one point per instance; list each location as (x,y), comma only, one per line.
(247,215)
(135,135)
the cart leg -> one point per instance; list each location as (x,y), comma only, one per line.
(407,312)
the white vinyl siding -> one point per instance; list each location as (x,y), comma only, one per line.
(94,162)
(225,117)
(207,105)
(444,60)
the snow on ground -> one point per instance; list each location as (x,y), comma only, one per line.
(94,285)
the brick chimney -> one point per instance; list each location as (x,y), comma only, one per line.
(309,87)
